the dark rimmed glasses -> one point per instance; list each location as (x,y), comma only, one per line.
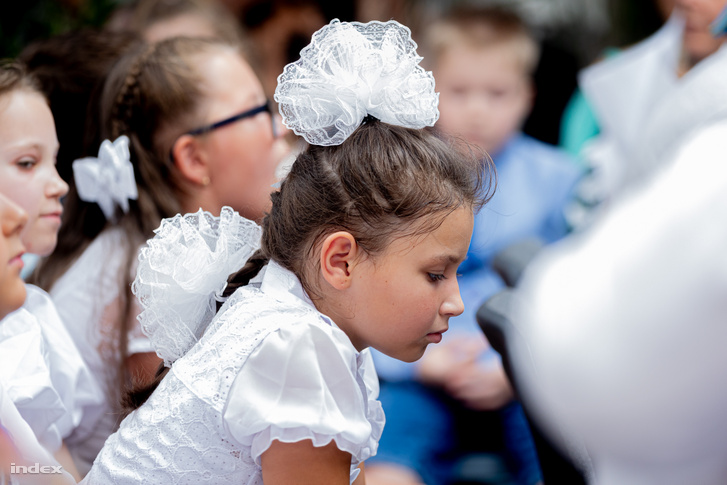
(266,107)
(232,119)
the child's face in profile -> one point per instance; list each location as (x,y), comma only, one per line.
(12,289)
(401,300)
(485,95)
(28,176)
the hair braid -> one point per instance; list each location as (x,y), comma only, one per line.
(122,111)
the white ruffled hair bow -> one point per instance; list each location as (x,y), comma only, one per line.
(107,180)
(351,70)
(182,273)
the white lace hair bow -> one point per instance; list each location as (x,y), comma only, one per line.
(182,273)
(109,179)
(351,70)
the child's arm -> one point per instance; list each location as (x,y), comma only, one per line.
(63,456)
(301,463)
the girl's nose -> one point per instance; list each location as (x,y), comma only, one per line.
(453,305)
(57,187)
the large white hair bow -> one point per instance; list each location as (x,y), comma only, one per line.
(182,273)
(351,70)
(109,179)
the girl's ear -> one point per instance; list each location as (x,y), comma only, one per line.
(338,253)
(190,159)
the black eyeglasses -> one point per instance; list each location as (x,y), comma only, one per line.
(245,114)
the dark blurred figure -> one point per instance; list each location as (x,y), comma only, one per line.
(71,69)
(154,20)
(279,29)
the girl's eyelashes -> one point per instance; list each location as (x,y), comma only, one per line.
(26,163)
(436,277)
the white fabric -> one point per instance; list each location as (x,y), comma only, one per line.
(193,428)
(44,373)
(645,111)
(109,179)
(89,303)
(29,450)
(626,328)
(350,70)
(26,376)
(80,392)
(699,101)
(182,273)
(623,90)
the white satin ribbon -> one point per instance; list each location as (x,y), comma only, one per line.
(109,179)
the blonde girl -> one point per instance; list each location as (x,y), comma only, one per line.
(42,371)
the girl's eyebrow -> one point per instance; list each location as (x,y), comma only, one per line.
(446,259)
(24,145)
(33,145)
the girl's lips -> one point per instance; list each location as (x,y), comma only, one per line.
(17,261)
(435,337)
(55,217)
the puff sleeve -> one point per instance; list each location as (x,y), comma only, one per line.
(306,381)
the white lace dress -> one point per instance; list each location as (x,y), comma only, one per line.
(88,301)
(269,367)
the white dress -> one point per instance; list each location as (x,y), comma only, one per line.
(269,367)
(28,450)
(645,110)
(44,375)
(88,301)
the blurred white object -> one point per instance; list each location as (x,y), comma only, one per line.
(107,179)
(626,326)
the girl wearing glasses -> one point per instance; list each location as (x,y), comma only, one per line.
(187,126)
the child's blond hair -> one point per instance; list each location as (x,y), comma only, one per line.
(479,28)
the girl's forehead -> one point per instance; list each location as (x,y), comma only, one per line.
(26,120)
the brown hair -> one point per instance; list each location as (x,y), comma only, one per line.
(480,27)
(383,182)
(14,75)
(151,95)
(71,69)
